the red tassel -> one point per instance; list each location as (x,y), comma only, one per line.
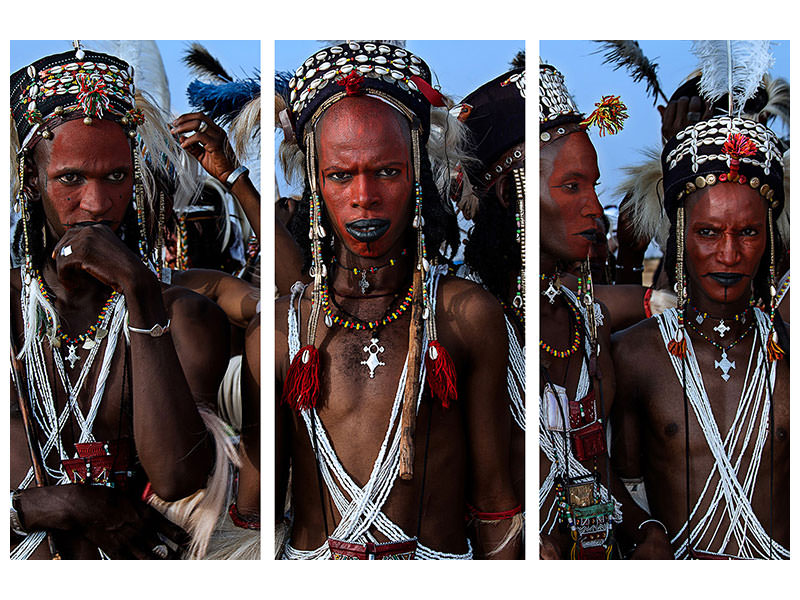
(677,347)
(441,374)
(431,94)
(301,388)
(774,351)
(352,84)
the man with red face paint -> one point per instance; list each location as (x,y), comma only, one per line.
(702,409)
(108,404)
(584,508)
(390,343)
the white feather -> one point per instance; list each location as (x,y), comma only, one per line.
(732,67)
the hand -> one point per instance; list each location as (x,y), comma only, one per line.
(654,545)
(122,526)
(681,113)
(210,147)
(97,251)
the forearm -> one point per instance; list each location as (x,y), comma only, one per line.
(171,439)
(44,508)
(250,201)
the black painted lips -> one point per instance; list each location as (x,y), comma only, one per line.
(726,279)
(367,230)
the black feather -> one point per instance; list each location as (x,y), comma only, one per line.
(518,62)
(202,64)
(628,54)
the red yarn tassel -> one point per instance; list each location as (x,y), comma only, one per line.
(774,351)
(677,347)
(441,374)
(301,388)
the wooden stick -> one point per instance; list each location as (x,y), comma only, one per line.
(30,435)
(408,422)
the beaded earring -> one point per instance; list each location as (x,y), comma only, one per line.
(160,235)
(138,200)
(519,183)
(774,351)
(677,346)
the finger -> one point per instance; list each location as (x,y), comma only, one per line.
(186,117)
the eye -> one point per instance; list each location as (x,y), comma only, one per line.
(570,187)
(388,172)
(69,178)
(117,176)
(338,176)
(706,232)
(750,232)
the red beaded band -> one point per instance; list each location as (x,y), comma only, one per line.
(494,516)
(240,521)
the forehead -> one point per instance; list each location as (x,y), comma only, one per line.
(103,143)
(572,153)
(727,204)
(362,124)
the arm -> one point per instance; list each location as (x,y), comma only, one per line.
(288,259)
(282,414)
(482,389)
(212,150)
(249,494)
(236,297)
(171,439)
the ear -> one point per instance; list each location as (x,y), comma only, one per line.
(502,189)
(31,187)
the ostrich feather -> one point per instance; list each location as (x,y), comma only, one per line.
(628,54)
(223,101)
(778,94)
(204,65)
(145,58)
(643,190)
(518,62)
(733,67)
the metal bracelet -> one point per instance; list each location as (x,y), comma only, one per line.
(657,522)
(16,523)
(626,268)
(155,331)
(237,172)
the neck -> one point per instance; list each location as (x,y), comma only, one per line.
(80,291)
(384,275)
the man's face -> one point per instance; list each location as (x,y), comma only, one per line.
(726,236)
(84,174)
(365,174)
(568,205)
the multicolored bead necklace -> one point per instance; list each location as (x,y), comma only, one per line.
(576,339)
(723,364)
(351,322)
(363,283)
(721,329)
(62,338)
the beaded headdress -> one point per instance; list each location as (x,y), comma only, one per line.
(495,116)
(559,115)
(398,77)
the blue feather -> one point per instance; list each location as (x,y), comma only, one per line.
(223,102)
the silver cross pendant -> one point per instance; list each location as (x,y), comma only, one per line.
(724,365)
(363,284)
(373,362)
(722,329)
(72,357)
(551,292)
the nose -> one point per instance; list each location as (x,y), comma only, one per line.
(592,207)
(95,199)
(365,195)
(728,252)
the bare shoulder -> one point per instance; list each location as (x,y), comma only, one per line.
(639,342)
(16,281)
(185,305)
(466,300)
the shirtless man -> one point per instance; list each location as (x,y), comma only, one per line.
(577,375)
(140,403)
(365,143)
(682,441)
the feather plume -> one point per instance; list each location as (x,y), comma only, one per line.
(643,190)
(245,129)
(778,98)
(205,66)
(518,62)
(628,54)
(733,67)
(223,101)
(782,222)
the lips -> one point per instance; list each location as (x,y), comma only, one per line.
(593,235)
(726,279)
(367,230)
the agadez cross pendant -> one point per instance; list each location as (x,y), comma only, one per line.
(724,365)
(72,357)
(373,362)
(363,283)
(722,329)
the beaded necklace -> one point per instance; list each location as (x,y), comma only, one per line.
(576,338)
(85,338)
(363,283)
(723,364)
(721,329)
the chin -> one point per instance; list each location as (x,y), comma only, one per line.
(735,293)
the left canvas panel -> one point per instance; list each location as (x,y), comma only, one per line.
(135,299)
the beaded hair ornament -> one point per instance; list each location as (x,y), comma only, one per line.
(722,149)
(401,79)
